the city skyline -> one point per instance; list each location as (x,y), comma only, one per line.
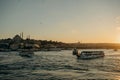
(87,21)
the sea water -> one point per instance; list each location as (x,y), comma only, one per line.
(58,65)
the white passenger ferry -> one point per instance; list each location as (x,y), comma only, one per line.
(89,54)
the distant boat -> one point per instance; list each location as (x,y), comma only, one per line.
(90,54)
(115,49)
(26,53)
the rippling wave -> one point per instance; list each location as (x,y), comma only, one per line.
(58,66)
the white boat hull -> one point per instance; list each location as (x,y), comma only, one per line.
(91,54)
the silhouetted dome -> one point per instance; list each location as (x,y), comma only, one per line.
(17,38)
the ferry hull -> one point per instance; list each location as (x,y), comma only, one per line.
(90,55)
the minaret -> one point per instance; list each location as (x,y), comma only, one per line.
(22,35)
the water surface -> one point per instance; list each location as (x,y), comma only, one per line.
(60,65)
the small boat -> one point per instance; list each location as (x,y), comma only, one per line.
(90,54)
(115,49)
(26,53)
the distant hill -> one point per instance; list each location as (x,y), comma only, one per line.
(17,40)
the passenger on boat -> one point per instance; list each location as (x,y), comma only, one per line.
(75,51)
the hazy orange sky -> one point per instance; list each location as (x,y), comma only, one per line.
(91,21)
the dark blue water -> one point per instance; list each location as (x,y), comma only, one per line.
(60,65)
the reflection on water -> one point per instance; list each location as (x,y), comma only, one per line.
(58,65)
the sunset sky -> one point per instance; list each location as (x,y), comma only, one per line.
(88,21)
